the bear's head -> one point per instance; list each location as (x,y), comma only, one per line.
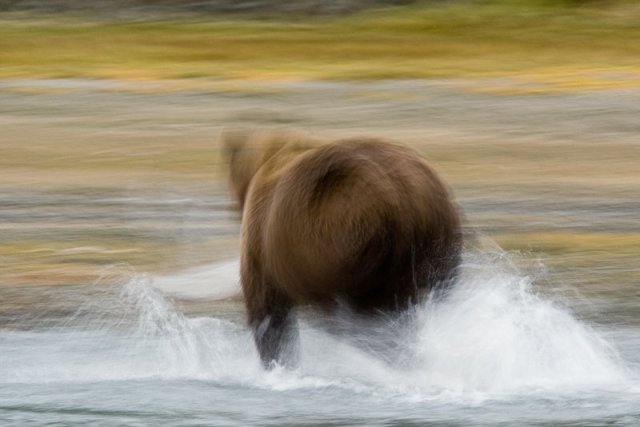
(248,151)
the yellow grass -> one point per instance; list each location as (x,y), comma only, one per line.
(551,48)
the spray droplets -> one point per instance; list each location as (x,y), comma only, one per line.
(491,335)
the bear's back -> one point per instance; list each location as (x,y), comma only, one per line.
(346,214)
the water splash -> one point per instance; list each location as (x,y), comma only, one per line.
(492,335)
(216,281)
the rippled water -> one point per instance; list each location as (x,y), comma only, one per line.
(495,351)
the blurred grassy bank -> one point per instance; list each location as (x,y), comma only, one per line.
(555,177)
(573,43)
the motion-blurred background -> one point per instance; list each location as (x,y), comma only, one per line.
(110,112)
(119,296)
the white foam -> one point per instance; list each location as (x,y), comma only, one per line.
(494,334)
(216,281)
(491,336)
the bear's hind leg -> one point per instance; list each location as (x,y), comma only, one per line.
(274,328)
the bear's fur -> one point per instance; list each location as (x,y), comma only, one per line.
(359,221)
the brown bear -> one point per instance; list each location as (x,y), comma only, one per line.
(360,221)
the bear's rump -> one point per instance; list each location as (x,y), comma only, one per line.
(341,223)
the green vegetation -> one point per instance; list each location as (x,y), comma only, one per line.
(537,38)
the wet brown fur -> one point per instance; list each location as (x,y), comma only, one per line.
(361,221)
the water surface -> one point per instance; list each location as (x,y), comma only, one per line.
(495,351)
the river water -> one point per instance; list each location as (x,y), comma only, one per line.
(119,275)
(494,351)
